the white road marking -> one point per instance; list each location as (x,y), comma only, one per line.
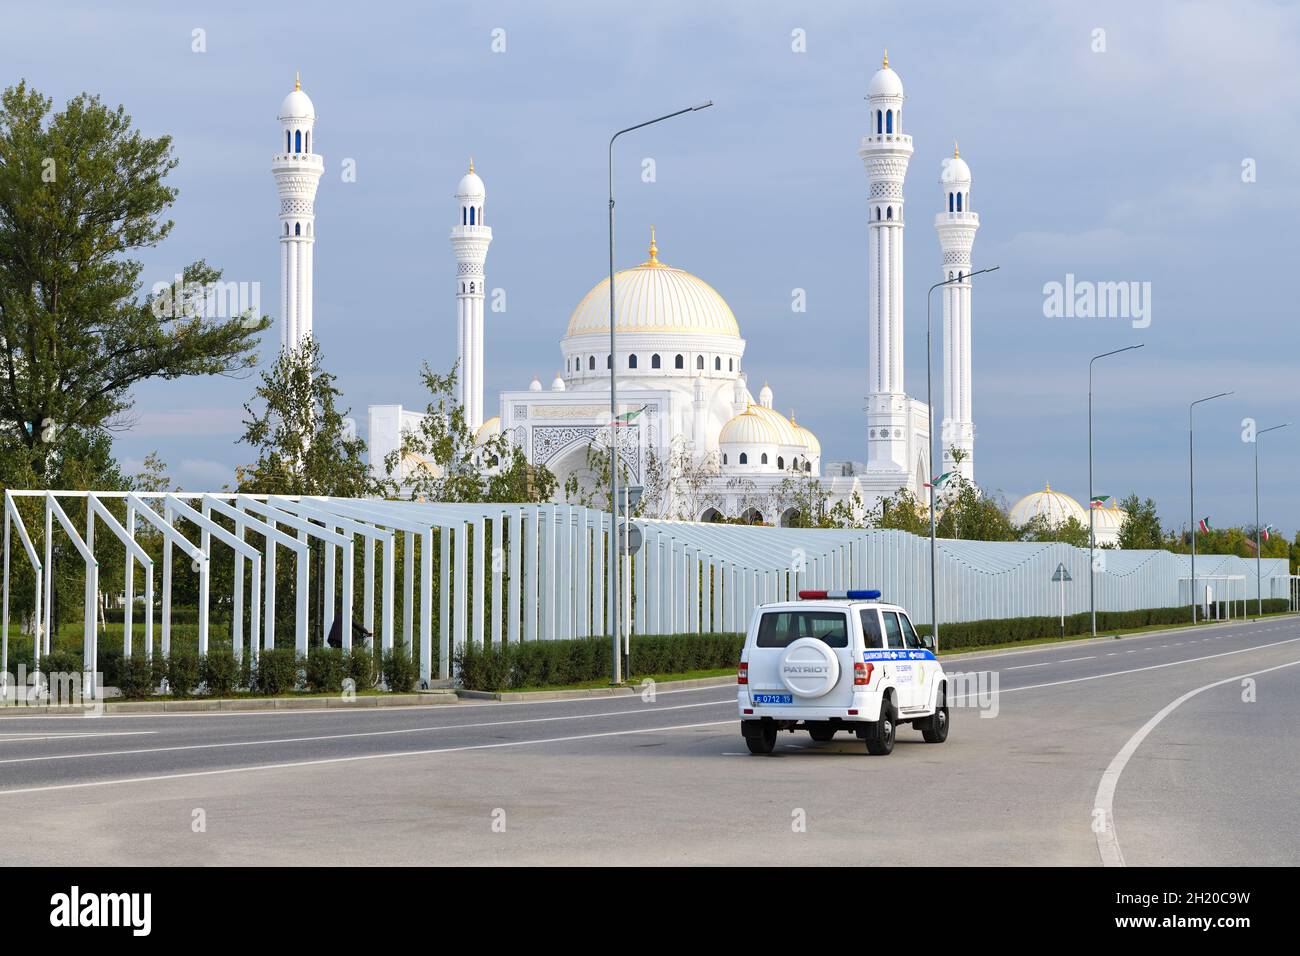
(1020,667)
(1131,670)
(36,736)
(1107,840)
(222,745)
(1070,660)
(353,759)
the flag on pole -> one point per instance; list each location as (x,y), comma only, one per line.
(1204,525)
(627,417)
(938,481)
(1264,531)
(1098,501)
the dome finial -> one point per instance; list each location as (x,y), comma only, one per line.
(471,164)
(654,249)
(1047,486)
(885,63)
(297,80)
(955,153)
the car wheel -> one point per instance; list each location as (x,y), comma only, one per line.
(881,743)
(821,732)
(764,742)
(935,728)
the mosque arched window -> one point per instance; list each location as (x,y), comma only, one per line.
(609,361)
(679,362)
(471,288)
(724,457)
(763,460)
(699,362)
(297,141)
(654,361)
(780,462)
(471,215)
(807,466)
(889,121)
(288,141)
(959,202)
(297,229)
(744,458)
(480,215)
(877,213)
(880,121)
(631,361)
(731,365)
(464,216)
(889,212)
(950,208)
(286,229)
(717,363)
(591,363)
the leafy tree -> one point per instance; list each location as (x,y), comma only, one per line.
(305,444)
(441,460)
(1141,529)
(901,511)
(80,191)
(971,514)
(1070,531)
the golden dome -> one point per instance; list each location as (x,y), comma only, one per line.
(750,428)
(1056,507)
(489,429)
(654,297)
(806,438)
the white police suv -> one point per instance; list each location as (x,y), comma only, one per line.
(839,661)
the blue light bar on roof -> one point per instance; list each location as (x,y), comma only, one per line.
(859,595)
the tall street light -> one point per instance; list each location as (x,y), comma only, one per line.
(1092,512)
(929,408)
(1191,484)
(615,608)
(1259,581)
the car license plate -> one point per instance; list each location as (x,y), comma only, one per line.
(763,697)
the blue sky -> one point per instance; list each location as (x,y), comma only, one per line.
(1122,165)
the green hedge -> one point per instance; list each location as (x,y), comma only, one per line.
(964,634)
(542,663)
(549,663)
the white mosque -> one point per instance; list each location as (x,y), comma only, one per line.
(687,415)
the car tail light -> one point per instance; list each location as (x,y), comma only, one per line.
(862,673)
(743,676)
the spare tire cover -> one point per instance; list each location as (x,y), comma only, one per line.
(809,668)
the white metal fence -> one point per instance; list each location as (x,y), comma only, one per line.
(509,572)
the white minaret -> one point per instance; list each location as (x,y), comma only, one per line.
(885,152)
(297,172)
(470,239)
(956,227)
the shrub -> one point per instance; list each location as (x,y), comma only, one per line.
(277,671)
(359,665)
(400,670)
(542,663)
(62,662)
(135,677)
(324,671)
(220,671)
(182,672)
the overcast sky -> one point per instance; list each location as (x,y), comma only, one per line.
(1117,165)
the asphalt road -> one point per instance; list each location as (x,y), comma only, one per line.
(1022,779)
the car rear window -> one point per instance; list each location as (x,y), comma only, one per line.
(783,628)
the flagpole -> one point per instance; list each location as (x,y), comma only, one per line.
(1191,482)
(1259,547)
(1092,510)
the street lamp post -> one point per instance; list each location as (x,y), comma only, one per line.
(615,602)
(1259,548)
(929,409)
(1092,516)
(1191,486)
